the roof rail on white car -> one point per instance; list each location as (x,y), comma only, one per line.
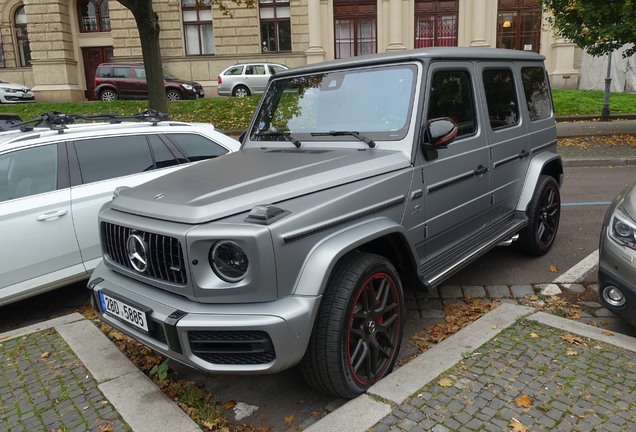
(57,121)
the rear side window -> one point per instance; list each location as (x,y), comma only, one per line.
(535,88)
(501,98)
(452,97)
(104,72)
(196,147)
(236,70)
(28,172)
(140,73)
(105,158)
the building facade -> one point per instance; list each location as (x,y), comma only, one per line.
(54,46)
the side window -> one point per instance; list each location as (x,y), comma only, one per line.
(140,73)
(28,172)
(452,96)
(162,155)
(121,72)
(104,72)
(275,69)
(105,158)
(196,147)
(237,70)
(501,98)
(535,88)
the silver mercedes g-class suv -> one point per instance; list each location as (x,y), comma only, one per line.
(355,178)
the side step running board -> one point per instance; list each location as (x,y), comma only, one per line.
(444,265)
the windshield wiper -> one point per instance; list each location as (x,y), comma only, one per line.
(354,134)
(285,135)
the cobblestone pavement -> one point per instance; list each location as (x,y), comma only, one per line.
(44,387)
(581,386)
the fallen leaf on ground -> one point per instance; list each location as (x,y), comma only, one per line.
(523,401)
(534,335)
(571,353)
(45,355)
(289,419)
(516,426)
(446,382)
(230,404)
(570,338)
(553,268)
(608,333)
(106,427)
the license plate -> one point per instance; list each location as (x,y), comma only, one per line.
(124,311)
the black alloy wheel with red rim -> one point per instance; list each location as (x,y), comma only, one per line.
(358,330)
(544,213)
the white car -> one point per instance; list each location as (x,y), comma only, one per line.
(53,183)
(14,93)
(246,79)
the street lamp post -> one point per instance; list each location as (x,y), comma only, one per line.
(605,112)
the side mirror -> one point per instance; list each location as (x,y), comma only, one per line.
(437,135)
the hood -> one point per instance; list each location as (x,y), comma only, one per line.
(237,182)
(13,86)
(629,202)
(180,81)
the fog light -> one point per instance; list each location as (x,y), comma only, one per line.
(614,296)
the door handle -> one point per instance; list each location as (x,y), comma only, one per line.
(481,170)
(51,215)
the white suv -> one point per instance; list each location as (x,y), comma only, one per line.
(53,182)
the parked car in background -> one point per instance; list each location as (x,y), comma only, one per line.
(128,81)
(617,256)
(246,79)
(15,93)
(52,185)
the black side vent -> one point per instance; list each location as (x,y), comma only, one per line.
(232,347)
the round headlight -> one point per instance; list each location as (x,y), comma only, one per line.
(622,229)
(228,260)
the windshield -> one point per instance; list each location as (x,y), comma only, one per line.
(375,102)
(168,76)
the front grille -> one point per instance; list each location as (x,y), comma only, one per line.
(232,347)
(164,254)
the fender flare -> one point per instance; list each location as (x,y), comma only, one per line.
(536,168)
(323,257)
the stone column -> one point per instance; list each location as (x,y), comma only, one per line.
(395,26)
(479,22)
(55,70)
(315,52)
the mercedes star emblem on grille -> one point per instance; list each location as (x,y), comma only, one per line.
(137,253)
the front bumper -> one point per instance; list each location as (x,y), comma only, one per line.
(617,267)
(251,338)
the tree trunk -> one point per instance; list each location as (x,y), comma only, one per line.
(148,27)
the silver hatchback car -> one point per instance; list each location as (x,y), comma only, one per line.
(243,80)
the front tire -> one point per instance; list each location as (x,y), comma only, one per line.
(173,95)
(544,213)
(358,330)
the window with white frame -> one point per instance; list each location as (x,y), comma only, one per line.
(197,26)
(275,25)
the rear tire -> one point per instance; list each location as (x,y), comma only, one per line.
(544,212)
(241,91)
(358,330)
(108,95)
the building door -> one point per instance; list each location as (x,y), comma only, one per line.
(355,24)
(93,56)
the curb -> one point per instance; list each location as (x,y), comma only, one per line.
(368,409)
(621,161)
(133,395)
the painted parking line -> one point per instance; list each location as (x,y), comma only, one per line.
(591,203)
(578,270)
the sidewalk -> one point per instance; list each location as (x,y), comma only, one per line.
(65,375)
